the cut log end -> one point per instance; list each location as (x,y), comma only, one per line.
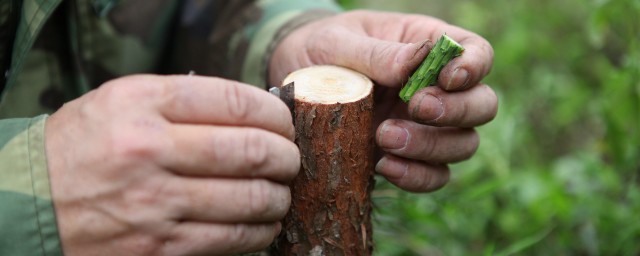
(329,85)
(331,196)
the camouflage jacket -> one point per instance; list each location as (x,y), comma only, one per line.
(52,51)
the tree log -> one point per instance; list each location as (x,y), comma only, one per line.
(331,206)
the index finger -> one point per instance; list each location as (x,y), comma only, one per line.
(464,71)
(216,101)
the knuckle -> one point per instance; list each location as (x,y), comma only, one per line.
(410,181)
(145,245)
(140,197)
(239,101)
(379,57)
(429,144)
(132,88)
(422,177)
(145,198)
(246,238)
(113,93)
(432,180)
(123,95)
(134,145)
(424,182)
(320,44)
(462,113)
(437,180)
(260,195)
(256,151)
(238,236)
(113,87)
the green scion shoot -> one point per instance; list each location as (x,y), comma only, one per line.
(427,74)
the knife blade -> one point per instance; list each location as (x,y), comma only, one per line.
(286,93)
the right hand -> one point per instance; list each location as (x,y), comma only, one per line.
(175,165)
(415,141)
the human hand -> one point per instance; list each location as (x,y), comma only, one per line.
(416,141)
(178,165)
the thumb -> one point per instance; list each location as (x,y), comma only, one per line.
(387,63)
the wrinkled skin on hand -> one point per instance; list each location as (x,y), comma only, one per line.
(178,165)
(418,140)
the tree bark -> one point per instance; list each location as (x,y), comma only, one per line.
(331,206)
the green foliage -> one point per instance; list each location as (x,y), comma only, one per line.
(558,171)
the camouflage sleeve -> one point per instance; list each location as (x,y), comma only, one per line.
(27,216)
(235,39)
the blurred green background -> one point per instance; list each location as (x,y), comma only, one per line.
(557,172)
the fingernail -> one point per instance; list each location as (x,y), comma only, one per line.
(410,51)
(459,79)
(393,137)
(391,168)
(429,108)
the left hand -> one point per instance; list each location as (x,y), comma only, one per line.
(415,142)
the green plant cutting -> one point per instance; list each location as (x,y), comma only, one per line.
(427,74)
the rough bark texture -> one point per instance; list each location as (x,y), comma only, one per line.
(331,206)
